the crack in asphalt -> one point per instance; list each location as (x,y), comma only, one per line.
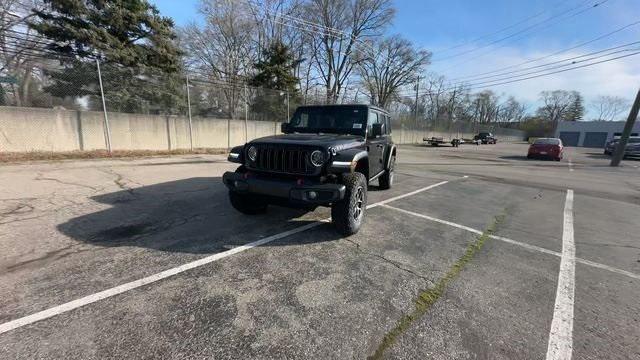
(18,210)
(48,257)
(389,261)
(121,181)
(41,177)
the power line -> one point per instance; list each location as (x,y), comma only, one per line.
(550,55)
(486,84)
(523,21)
(328,31)
(571,59)
(564,70)
(525,30)
(565,65)
(552,63)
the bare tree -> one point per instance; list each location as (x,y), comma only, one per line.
(343,26)
(609,108)
(512,110)
(392,64)
(435,89)
(20,48)
(274,22)
(485,107)
(556,104)
(222,49)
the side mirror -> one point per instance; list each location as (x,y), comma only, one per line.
(377,130)
(285,128)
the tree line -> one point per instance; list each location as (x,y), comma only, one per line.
(272,54)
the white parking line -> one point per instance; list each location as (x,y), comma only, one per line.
(517,243)
(60,309)
(561,334)
(570,165)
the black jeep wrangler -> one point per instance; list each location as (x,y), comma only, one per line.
(326,157)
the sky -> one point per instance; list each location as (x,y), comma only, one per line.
(468,38)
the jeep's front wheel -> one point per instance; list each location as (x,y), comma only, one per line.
(386,180)
(246,204)
(348,214)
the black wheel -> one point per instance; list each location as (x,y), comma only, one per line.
(348,214)
(386,180)
(247,204)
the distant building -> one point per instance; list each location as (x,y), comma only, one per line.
(591,133)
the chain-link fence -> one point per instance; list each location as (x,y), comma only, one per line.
(46,106)
(70,105)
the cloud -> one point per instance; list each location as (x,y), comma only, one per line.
(616,78)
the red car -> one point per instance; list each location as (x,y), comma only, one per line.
(548,148)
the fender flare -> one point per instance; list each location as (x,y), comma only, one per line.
(392,150)
(346,161)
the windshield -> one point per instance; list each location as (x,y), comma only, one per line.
(330,119)
(547,142)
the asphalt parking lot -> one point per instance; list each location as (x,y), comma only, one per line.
(476,252)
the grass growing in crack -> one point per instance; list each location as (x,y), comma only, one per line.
(428,297)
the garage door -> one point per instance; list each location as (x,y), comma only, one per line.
(570,138)
(595,139)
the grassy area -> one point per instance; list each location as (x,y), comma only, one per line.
(13,157)
(428,297)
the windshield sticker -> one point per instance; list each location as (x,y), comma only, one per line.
(357,126)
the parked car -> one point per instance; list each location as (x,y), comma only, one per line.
(326,157)
(610,146)
(486,138)
(548,148)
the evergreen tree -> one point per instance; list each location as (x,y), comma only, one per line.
(575,112)
(133,42)
(276,71)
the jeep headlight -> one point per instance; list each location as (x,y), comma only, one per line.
(317,158)
(252,153)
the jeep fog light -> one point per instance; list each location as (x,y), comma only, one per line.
(252,153)
(312,195)
(317,158)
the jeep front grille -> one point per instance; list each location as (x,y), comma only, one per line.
(282,160)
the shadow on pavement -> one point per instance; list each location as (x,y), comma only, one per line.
(191,216)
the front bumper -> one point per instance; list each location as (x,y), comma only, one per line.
(290,190)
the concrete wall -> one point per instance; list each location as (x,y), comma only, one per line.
(610,127)
(35,129)
(407,136)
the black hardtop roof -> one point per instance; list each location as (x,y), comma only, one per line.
(373,107)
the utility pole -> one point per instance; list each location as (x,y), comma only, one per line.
(416,112)
(246,114)
(288,108)
(628,127)
(189,112)
(104,109)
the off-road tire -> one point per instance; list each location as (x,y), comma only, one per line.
(385,181)
(347,215)
(247,204)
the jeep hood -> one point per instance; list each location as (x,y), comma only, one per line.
(326,141)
